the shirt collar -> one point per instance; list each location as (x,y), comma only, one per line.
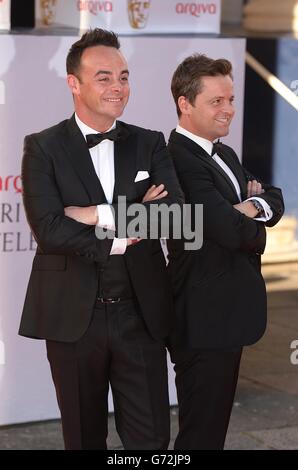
(204,143)
(88,130)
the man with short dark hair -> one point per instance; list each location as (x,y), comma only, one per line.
(220,294)
(102,303)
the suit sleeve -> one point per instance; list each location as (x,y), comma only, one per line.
(222,223)
(53,231)
(273,197)
(162,171)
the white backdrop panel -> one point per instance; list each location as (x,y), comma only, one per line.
(33,96)
(131,16)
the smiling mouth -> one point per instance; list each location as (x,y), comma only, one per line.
(223,120)
(113,100)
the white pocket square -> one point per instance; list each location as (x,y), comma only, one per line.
(141,175)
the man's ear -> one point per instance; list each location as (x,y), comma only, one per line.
(184,105)
(74,84)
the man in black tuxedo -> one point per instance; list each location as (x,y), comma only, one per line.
(103,303)
(220,294)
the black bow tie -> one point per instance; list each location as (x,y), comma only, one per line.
(94,139)
(216,148)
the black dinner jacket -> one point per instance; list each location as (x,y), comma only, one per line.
(57,172)
(220,294)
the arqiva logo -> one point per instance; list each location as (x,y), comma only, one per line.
(10,182)
(196,9)
(95,7)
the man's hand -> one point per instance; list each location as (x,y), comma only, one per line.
(85,215)
(247,208)
(154,193)
(133,241)
(254,188)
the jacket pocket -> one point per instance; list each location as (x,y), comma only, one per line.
(141,187)
(49,263)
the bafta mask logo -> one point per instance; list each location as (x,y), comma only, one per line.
(138,13)
(48,11)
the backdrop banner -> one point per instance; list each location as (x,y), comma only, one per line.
(4,14)
(33,96)
(132,16)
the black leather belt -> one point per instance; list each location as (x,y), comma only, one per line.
(110,300)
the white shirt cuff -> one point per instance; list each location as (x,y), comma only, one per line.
(106,217)
(119,246)
(267,209)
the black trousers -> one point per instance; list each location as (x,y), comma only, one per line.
(206,382)
(117,350)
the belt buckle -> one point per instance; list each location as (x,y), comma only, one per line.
(112,300)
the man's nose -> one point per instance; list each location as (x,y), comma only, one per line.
(228,108)
(116,85)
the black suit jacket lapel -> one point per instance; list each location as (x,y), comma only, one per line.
(198,151)
(78,153)
(125,162)
(236,168)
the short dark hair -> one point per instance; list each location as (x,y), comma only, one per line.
(92,38)
(187,78)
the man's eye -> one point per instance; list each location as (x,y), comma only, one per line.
(104,79)
(124,79)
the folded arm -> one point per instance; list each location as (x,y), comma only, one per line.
(269,196)
(223,223)
(164,189)
(55,232)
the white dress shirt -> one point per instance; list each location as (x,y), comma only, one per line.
(102,156)
(207,146)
